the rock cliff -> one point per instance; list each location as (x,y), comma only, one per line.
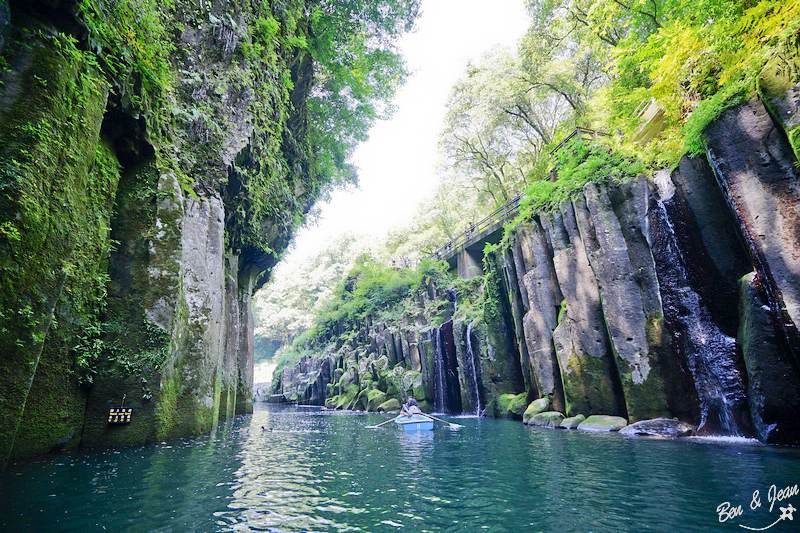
(672,295)
(155,162)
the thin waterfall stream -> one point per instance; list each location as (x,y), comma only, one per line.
(472,373)
(710,355)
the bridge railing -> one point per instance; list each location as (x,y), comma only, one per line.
(501,214)
(580,133)
(510,209)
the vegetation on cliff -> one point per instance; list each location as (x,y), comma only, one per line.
(368,292)
(654,73)
(254,106)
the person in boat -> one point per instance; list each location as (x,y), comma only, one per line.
(411,407)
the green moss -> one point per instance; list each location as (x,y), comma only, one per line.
(535,407)
(390,406)
(647,399)
(549,419)
(773,83)
(511,405)
(587,386)
(167,410)
(57,181)
(562,311)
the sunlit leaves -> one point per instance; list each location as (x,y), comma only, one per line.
(357,72)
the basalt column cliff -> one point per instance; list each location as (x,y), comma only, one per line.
(154,163)
(668,296)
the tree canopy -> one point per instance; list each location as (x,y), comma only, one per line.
(357,72)
(596,64)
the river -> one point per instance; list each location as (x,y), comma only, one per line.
(321,470)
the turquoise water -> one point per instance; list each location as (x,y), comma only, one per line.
(324,471)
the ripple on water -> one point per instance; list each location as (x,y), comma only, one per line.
(322,471)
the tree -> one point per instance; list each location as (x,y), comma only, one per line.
(286,306)
(357,72)
(438,219)
(497,127)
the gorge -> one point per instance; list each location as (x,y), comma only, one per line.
(156,160)
(665,296)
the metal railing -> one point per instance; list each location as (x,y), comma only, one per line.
(581,133)
(501,214)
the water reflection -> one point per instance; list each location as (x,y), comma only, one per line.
(324,471)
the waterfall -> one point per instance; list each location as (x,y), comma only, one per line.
(472,374)
(711,356)
(439,389)
(446,388)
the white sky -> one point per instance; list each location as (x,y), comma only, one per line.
(397,163)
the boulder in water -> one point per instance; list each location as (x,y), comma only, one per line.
(659,427)
(535,407)
(599,423)
(572,422)
(548,419)
(389,406)
(511,406)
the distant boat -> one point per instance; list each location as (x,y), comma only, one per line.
(415,423)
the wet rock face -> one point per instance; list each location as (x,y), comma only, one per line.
(757,172)
(659,427)
(5,19)
(774,378)
(710,355)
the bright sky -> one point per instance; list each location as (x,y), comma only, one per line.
(397,164)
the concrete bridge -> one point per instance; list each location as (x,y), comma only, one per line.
(464,253)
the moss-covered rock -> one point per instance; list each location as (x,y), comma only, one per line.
(548,419)
(389,406)
(535,407)
(375,398)
(602,423)
(572,422)
(511,405)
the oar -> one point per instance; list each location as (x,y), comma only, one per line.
(445,421)
(382,423)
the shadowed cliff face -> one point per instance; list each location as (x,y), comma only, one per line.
(149,184)
(663,297)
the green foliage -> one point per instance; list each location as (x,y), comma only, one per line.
(438,219)
(369,289)
(286,307)
(497,126)
(358,71)
(131,36)
(111,346)
(703,58)
(579,162)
